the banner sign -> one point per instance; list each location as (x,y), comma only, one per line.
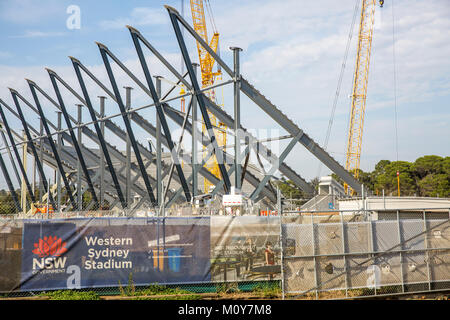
(108,252)
(245,248)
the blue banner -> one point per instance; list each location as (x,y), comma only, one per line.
(108,252)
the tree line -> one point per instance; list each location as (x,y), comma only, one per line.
(427,176)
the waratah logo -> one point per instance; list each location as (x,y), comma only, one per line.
(49,246)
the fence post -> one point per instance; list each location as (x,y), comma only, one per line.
(371,248)
(280,215)
(314,256)
(401,248)
(427,257)
(344,256)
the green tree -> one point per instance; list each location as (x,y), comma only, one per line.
(446,166)
(434,185)
(426,165)
(387,178)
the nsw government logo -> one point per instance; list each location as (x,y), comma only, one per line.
(49,251)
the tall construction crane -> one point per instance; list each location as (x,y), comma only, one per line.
(208,77)
(360,81)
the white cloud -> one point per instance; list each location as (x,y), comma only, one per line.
(293,53)
(38,34)
(140,16)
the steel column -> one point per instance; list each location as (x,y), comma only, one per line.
(11,159)
(74,142)
(52,143)
(99,134)
(128,148)
(58,177)
(79,138)
(161,115)
(275,166)
(16,153)
(237,117)
(194,152)
(102,156)
(159,189)
(31,145)
(9,183)
(200,100)
(125,118)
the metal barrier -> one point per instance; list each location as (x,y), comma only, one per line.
(406,253)
(307,255)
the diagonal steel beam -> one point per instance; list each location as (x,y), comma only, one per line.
(50,140)
(9,183)
(260,148)
(99,133)
(175,116)
(273,112)
(11,158)
(16,152)
(126,120)
(136,117)
(201,103)
(74,141)
(40,168)
(275,166)
(174,13)
(111,125)
(293,129)
(161,116)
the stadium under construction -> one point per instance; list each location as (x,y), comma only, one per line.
(159,175)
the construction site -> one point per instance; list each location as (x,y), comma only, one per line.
(179,192)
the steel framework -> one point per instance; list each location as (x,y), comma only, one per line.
(109,171)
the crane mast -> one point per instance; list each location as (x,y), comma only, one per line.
(359,93)
(208,78)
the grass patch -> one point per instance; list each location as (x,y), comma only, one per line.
(71,295)
(183,297)
(268,290)
(156,289)
(225,288)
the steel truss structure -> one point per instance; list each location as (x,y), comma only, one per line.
(109,174)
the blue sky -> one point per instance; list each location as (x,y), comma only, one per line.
(293,52)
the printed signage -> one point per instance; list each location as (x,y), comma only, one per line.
(88,253)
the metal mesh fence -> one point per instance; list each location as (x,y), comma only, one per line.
(309,256)
(406,253)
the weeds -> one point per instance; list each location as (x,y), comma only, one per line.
(130,289)
(268,290)
(71,295)
(224,288)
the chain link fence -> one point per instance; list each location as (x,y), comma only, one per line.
(405,253)
(300,255)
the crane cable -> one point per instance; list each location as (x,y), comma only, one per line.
(214,27)
(395,98)
(211,17)
(341,75)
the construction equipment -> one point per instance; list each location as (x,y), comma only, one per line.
(208,79)
(360,80)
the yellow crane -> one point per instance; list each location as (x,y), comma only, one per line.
(208,78)
(360,81)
